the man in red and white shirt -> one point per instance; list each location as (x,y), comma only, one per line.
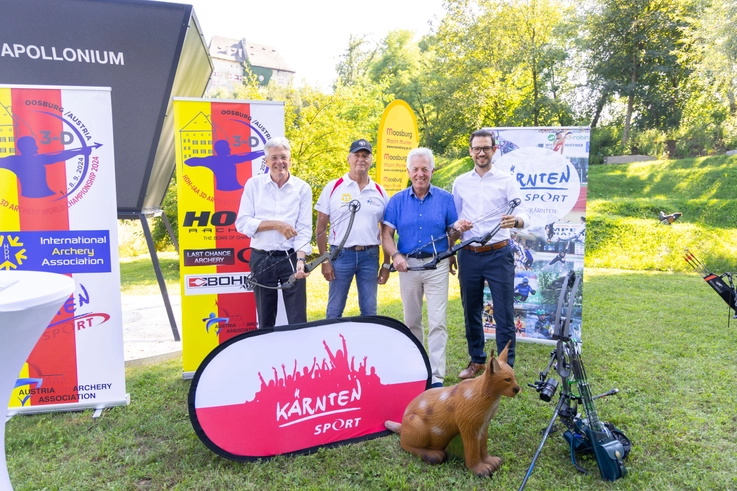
(360,255)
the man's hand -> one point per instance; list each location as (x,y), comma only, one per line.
(299,272)
(383,275)
(508,221)
(400,263)
(463,225)
(286,230)
(452,265)
(327,271)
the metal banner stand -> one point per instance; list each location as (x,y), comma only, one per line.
(142,216)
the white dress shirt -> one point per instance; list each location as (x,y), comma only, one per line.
(262,199)
(483,201)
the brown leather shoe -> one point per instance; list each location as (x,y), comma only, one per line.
(471,370)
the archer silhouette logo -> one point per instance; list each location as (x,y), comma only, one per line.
(12,252)
(223,165)
(31,164)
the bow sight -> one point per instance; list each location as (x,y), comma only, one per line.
(584,435)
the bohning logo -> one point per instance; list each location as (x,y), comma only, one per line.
(12,252)
(196,282)
(206,284)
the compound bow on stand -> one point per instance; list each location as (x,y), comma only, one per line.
(584,435)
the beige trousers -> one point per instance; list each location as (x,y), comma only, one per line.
(433,284)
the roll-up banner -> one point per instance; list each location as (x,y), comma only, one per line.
(397,136)
(294,389)
(58,214)
(550,166)
(219,146)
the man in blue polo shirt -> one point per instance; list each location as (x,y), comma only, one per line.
(425,218)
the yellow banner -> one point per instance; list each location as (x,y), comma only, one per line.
(397,136)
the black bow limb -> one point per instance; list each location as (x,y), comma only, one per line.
(481,239)
(333,253)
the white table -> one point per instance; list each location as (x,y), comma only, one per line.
(28,302)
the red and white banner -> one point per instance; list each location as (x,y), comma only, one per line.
(58,214)
(293,389)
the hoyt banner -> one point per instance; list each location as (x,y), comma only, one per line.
(219,146)
(58,214)
(550,166)
(292,389)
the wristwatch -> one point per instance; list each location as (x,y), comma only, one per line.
(301,259)
(386,266)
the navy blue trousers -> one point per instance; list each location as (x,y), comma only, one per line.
(497,268)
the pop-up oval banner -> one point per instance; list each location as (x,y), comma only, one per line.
(294,389)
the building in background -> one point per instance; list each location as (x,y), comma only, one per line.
(229,55)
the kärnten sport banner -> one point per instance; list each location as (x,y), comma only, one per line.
(551,169)
(397,136)
(58,214)
(219,146)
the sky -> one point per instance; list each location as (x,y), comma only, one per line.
(311,35)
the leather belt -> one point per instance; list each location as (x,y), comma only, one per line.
(360,248)
(288,252)
(420,255)
(488,247)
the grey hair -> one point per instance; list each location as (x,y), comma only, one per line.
(278,142)
(421,152)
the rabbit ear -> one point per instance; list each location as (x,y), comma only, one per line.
(503,354)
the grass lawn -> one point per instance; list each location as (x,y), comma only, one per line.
(651,328)
(661,338)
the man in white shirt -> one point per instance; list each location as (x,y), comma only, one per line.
(360,255)
(275,213)
(482,196)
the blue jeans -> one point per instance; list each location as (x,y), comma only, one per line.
(497,268)
(364,265)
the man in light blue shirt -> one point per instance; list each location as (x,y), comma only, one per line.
(425,218)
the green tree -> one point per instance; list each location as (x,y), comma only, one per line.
(632,51)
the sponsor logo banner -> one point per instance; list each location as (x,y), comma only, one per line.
(215,284)
(208,257)
(550,166)
(219,146)
(397,136)
(57,176)
(292,389)
(65,252)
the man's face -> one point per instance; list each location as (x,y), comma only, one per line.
(277,159)
(481,151)
(359,162)
(420,173)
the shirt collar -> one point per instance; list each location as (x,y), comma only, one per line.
(429,191)
(490,172)
(347,177)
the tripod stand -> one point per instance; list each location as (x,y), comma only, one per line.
(609,445)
